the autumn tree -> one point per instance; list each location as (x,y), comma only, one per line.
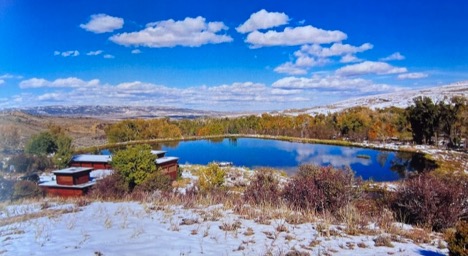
(452,119)
(354,122)
(423,116)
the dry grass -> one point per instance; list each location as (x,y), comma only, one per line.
(383,240)
(35,215)
(86,132)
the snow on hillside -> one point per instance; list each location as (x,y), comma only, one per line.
(400,99)
(132,228)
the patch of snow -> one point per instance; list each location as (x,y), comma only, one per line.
(131,228)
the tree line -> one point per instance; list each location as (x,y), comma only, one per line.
(424,122)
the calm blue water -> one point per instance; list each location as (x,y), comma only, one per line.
(253,153)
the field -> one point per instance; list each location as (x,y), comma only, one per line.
(84,131)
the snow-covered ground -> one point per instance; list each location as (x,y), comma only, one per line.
(163,227)
(132,228)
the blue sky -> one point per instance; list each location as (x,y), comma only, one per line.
(226,55)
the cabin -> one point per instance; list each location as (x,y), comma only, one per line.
(158,153)
(168,165)
(69,182)
(91,161)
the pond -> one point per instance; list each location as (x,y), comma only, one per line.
(378,165)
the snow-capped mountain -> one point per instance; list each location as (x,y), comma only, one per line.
(400,99)
(117,112)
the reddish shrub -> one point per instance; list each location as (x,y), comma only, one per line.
(264,188)
(26,189)
(321,188)
(458,242)
(154,181)
(432,201)
(110,187)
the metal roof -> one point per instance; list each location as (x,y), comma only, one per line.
(72,170)
(157,152)
(92,158)
(166,159)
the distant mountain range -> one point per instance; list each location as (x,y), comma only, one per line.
(116,112)
(401,99)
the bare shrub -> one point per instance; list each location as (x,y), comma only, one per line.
(458,241)
(321,188)
(6,188)
(383,241)
(264,188)
(155,181)
(26,189)
(113,186)
(227,226)
(432,201)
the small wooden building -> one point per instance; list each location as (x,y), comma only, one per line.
(73,181)
(92,161)
(168,165)
(158,153)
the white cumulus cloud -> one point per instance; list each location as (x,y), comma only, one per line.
(263,20)
(337,49)
(102,23)
(294,36)
(94,53)
(291,69)
(394,56)
(136,51)
(415,75)
(73,53)
(349,58)
(315,55)
(191,32)
(109,56)
(70,82)
(333,83)
(370,67)
(2,81)
(9,76)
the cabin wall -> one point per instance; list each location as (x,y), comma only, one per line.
(82,179)
(170,169)
(91,165)
(64,180)
(65,192)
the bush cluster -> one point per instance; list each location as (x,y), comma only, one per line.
(6,188)
(264,188)
(111,187)
(321,188)
(25,163)
(26,189)
(458,242)
(211,177)
(432,201)
(155,181)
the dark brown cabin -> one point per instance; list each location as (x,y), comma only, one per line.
(168,165)
(92,161)
(73,181)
